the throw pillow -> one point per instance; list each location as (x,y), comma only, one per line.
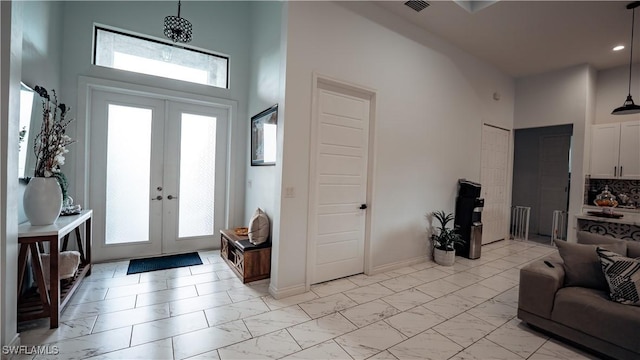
(623,276)
(258,227)
(582,265)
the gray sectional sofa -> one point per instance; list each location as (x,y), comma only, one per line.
(554,299)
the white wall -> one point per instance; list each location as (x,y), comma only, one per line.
(612,89)
(41,61)
(556,98)
(431,102)
(265,90)
(222,27)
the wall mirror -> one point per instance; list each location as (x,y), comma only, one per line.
(26,158)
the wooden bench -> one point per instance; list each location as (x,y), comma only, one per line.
(250,262)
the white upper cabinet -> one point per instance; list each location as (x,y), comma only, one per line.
(615,150)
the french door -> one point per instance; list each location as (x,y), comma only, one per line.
(157,174)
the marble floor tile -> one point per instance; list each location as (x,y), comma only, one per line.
(209,339)
(513,274)
(248,292)
(192,280)
(403,282)
(326,305)
(227,274)
(316,331)
(494,312)
(383,355)
(463,279)
(146,287)
(275,320)
(414,321)
(92,345)
(218,286)
(501,264)
(97,307)
(554,350)
(67,330)
(407,299)
(203,302)
(96,283)
(499,283)
(157,350)
(326,350)
(424,265)
(427,275)
(332,287)
(275,304)
(464,329)
(370,340)
(161,275)
(168,327)
(163,296)
(124,318)
(517,338)
(368,313)
(364,280)
(400,271)
(449,306)
(438,288)
(484,271)
(208,268)
(476,293)
(270,346)
(367,293)
(457,266)
(210,355)
(236,311)
(428,345)
(509,297)
(485,350)
(83,295)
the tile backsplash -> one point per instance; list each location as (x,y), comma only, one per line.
(594,187)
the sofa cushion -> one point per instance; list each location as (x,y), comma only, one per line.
(585,237)
(623,276)
(582,265)
(633,249)
(590,311)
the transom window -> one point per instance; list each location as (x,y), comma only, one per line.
(118,50)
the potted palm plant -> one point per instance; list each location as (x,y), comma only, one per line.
(444,239)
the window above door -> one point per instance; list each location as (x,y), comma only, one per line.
(120,50)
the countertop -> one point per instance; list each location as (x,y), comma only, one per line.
(631,216)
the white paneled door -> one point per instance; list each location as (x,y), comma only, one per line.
(338,186)
(493,179)
(157,175)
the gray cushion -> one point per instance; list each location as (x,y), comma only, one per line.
(582,265)
(623,276)
(633,249)
(585,237)
(591,312)
(258,227)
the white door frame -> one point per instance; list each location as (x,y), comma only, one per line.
(371,95)
(87,84)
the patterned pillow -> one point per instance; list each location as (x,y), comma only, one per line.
(623,275)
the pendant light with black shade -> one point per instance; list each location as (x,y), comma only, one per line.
(629,107)
(178,29)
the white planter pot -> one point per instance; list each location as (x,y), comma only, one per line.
(444,258)
(42,200)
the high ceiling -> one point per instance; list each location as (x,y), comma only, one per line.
(529,37)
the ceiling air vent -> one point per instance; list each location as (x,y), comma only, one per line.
(417,5)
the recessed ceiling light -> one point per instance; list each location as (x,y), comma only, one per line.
(618,48)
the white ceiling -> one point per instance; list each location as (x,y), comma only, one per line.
(529,37)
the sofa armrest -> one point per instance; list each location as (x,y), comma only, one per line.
(538,286)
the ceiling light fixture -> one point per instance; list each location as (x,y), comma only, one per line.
(629,107)
(178,29)
(618,48)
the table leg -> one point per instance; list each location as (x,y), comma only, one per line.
(87,244)
(54,282)
(39,273)
(22,266)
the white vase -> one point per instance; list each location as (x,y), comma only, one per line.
(444,258)
(42,200)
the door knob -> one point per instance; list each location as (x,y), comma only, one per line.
(171,197)
(159,197)
(363,206)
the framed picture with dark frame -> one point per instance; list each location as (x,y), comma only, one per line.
(264,127)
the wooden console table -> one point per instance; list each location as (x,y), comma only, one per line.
(31,238)
(250,262)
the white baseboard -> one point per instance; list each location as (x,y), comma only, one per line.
(399,264)
(286,292)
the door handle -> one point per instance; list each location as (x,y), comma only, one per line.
(171,197)
(363,206)
(620,170)
(159,197)
(615,171)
